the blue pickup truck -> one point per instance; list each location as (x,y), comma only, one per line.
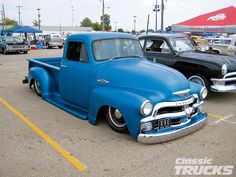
(104,75)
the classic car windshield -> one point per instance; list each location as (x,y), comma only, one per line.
(116,48)
(12,40)
(181,44)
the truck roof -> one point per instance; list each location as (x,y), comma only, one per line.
(92,36)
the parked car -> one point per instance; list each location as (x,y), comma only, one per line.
(12,44)
(216,72)
(224,46)
(53,40)
(105,75)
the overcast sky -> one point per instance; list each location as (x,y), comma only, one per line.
(55,12)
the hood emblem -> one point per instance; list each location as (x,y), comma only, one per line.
(182,93)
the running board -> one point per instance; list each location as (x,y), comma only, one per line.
(60,103)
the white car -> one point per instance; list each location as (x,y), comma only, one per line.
(224,46)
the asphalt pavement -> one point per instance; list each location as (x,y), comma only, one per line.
(40,140)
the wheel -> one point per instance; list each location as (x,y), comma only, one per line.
(25,52)
(37,87)
(60,47)
(116,120)
(48,46)
(4,51)
(200,79)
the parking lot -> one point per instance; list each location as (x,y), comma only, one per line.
(39,140)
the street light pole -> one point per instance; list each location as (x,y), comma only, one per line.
(162,15)
(135,24)
(156,9)
(39,21)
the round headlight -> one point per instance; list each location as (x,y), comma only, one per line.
(146,108)
(203,93)
(224,69)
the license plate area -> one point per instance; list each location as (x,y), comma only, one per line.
(163,123)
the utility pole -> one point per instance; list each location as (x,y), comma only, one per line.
(19,13)
(3,18)
(72,15)
(147,24)
(135,24)
(39,21)
(162,14)
(115,26)
(103,12)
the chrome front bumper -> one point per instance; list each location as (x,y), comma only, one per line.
(226,84)
(175,133)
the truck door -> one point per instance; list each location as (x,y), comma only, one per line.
(159,51)
(74,75)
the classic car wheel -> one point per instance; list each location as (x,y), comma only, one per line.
(60,47)
(4,51)
(37,88)
(25,52)
(116,120)
(202,80)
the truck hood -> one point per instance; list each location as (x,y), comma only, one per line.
(143,75)
(215,59)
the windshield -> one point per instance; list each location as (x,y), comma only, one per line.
(116,48)
(181,44)
(12,40)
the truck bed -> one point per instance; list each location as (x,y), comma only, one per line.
(52,63)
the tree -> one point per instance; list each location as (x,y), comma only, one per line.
(10,22)
(35,23)
(120,30)
(86,22)
(96,26)
(151,30)
(142,31)
(107,25)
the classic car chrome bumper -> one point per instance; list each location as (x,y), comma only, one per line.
(171,120)
(226,84)
(173,134)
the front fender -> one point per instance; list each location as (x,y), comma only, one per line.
(127,102)
(47,83)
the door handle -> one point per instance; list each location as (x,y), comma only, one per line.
(64,66)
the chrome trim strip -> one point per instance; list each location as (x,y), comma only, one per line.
(182,93)
(229,74)
(167,136)
(102,81)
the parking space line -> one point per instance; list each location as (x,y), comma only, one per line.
(222,118)
(75,162)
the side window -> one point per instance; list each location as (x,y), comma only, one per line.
(159,46)
(235,43)
(76,51)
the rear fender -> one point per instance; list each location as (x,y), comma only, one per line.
(46,81)
(128,103)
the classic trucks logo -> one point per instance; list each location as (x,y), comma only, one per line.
(199,167)
(217,17)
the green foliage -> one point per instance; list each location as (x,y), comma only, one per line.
(107,21)
(10,22)
(120,30)
(96,26)
(35,23)
(86,22)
